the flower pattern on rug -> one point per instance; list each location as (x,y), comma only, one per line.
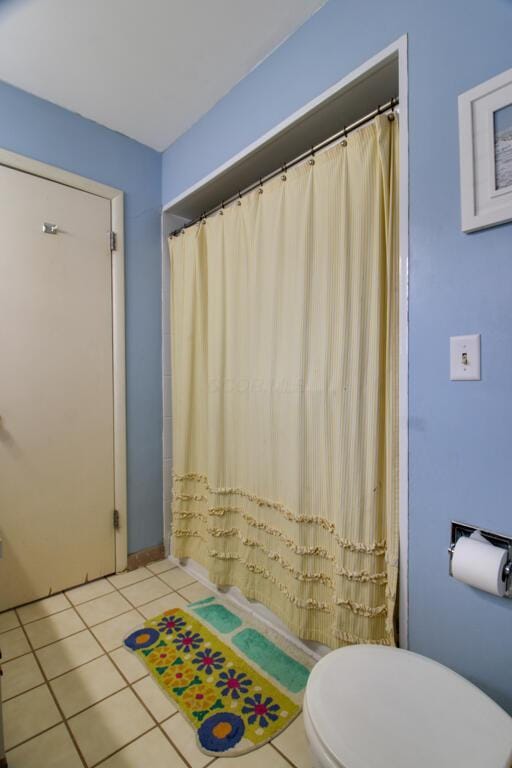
(170,623)
(233,705)
(208,660)
(188,641)
(262,711)
(233,684)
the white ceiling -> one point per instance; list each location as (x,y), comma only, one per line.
(146,68)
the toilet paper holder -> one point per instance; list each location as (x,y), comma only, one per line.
(497,539)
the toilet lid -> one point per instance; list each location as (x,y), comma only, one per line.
(377,707)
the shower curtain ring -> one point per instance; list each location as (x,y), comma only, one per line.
(283,176)
(344,142)
(311,160)
(239,201)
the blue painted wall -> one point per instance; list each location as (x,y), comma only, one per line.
(460,433)
(38,129)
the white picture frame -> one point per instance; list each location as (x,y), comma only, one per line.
(485,142)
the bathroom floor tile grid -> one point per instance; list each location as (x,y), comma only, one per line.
(73,697)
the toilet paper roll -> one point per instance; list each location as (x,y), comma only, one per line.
(479,564)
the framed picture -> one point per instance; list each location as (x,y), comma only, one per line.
(485,136)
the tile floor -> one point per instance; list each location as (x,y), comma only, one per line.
(73,697)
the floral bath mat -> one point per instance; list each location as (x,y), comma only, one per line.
(237,692)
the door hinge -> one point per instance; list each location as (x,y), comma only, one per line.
(113,241)
(115,519)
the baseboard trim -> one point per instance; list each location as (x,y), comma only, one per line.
(145,556)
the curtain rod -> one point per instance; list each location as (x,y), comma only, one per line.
(389,105)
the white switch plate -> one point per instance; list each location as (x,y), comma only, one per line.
(465,358)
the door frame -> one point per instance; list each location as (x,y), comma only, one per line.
(116,198)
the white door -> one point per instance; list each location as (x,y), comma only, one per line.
(56,388)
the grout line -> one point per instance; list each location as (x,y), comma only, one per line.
(159,725)
(145,578)
(64,594)
(136,694)
(40,733)
(279,752)
(66,724)
(120,749)
(47,645)
(5,631)
(65,637)
(184,598)
(78,666)
(40,600)
(90,706)
(71,604)
(130,685)
(175,589)
(87,628)
(185,760)
(104,621)
(140,605)
(285,757)
(48,616)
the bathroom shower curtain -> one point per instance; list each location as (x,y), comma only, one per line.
(284,343)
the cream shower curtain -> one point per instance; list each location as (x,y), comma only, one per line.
(284,373)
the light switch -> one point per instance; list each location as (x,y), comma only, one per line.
(465,358)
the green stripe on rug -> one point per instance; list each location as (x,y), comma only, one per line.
(219,617)
(272,659)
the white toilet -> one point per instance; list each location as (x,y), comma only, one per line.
(369,706)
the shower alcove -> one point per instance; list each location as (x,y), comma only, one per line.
(374,83)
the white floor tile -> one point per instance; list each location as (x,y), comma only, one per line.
(111,633)
(89,591)
(150,751)
(184,737)
(68,653)
(43,608)
(129,665)
(54,628)
(20,675)
(177,578)
(160,705)
(109,725)
(8,620)
(14,643)
(103,608)
(121,580)
(145,591)
(292,742)
(196,591)
(87,685)
(160,566)
(166,603)
(52,749)
(264,756)
(29,714)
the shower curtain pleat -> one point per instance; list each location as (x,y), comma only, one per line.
(284,349)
